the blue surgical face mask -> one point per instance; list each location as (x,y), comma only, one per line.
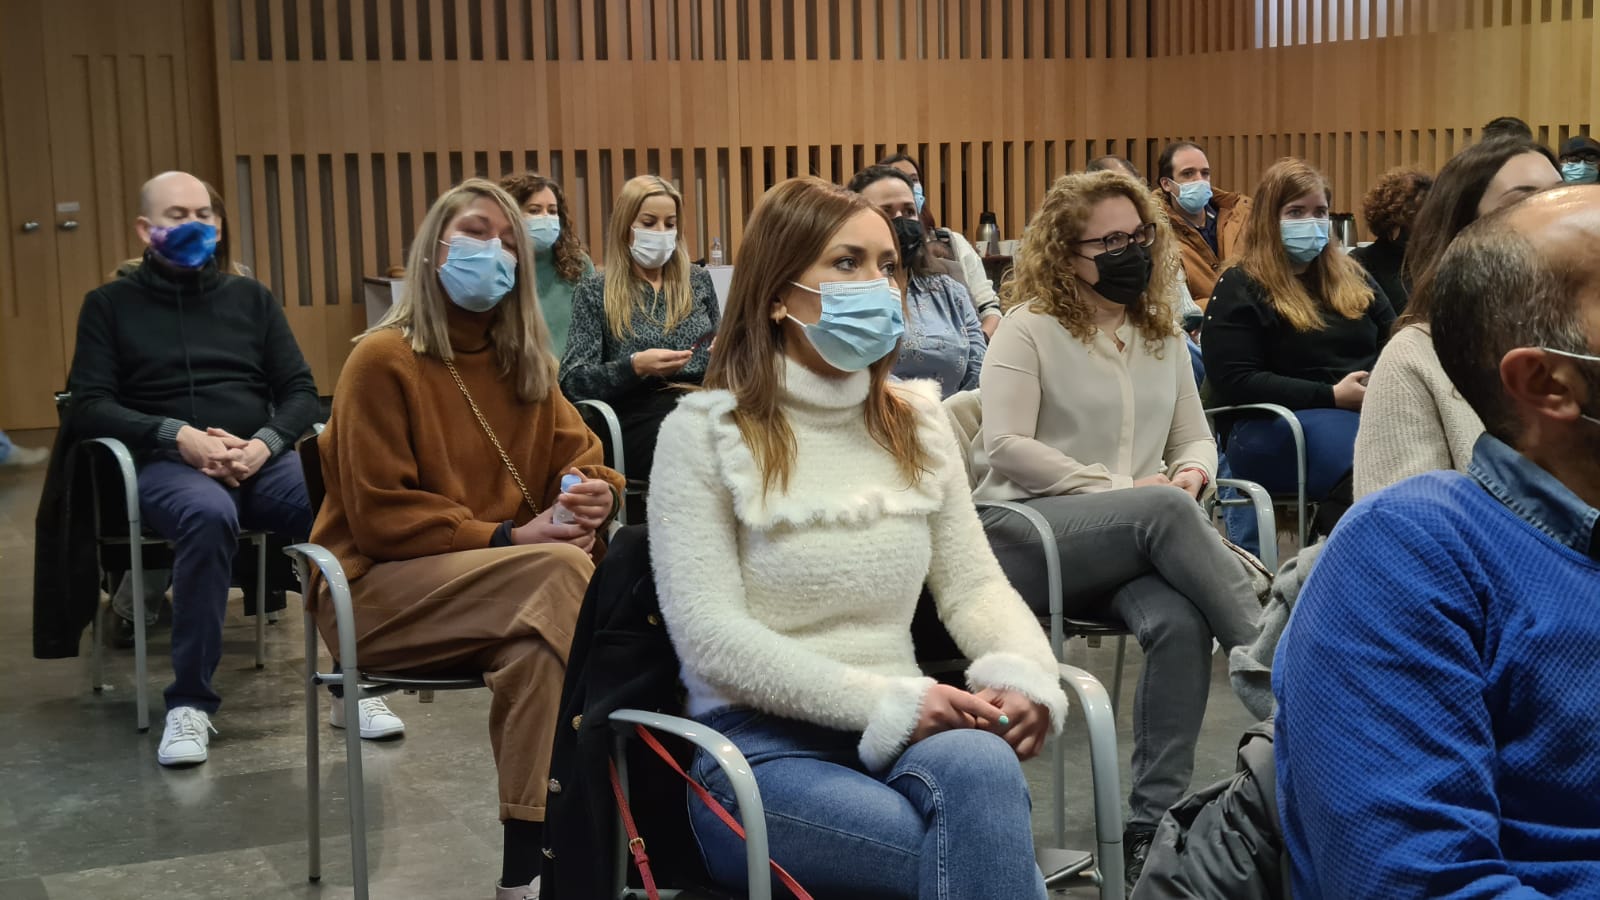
(1304,239)
(861,322)
(918,195)
(1194,195)
(187,246)
(1580,172)
(543,231)
(477,274)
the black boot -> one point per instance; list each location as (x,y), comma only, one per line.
(1135,848)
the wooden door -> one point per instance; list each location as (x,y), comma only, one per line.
(97,111)
(31,364)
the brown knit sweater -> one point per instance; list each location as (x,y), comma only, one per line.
(408,469)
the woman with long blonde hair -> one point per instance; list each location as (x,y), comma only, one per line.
(1298,323)
(1091,417)
(465,495)
(643,326)
(802,502)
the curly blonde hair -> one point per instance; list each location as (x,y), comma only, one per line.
(1044,278)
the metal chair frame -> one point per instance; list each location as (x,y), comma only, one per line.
(1299,435)
(1099,720)
(359,685)
(135,540)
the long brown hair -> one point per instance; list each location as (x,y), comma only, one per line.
(1044,277)
(1451,206)
(622,285)
(568,252)
(787,232)
(1340,282)
(517,331)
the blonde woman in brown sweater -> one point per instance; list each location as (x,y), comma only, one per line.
(443,461)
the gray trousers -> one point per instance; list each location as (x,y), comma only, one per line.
(1149,557)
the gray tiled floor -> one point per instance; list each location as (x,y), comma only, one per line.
(85,812)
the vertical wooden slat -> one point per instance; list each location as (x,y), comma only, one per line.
(250,27)
(464,31)
(489,29)
(385,25)
(684,30)
(536,18)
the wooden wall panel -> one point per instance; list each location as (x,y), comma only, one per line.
(95,97)
(375,115)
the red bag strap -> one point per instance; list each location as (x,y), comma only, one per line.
(636,844)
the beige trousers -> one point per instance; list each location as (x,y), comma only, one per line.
(507,612)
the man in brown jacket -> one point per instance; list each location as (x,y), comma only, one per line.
(1210,224)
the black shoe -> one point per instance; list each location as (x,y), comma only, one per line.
(1135,849)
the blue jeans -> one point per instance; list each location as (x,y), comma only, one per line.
(5,446)
(1238,521)
(950,819)
(202,518)
(1261,449)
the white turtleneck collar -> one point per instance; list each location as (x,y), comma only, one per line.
(806,391)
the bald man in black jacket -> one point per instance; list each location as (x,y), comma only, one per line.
(198,373)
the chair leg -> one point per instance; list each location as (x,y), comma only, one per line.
(261,601)
(313,758)
(357,789)
(1058,783)
(97,653)
(1116,677)
(141,674)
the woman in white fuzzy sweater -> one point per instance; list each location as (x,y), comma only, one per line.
(799,506)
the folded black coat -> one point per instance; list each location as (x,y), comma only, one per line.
(1225,840)
(621,658)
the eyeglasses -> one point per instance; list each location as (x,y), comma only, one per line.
(1116,242)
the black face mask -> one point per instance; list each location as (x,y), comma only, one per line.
(1124,277)
(908,232)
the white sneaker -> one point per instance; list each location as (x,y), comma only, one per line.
(26,456)
(377,722)
(184,741)
(526,892)
(155,590)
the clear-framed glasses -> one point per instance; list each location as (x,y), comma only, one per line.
(1118,241)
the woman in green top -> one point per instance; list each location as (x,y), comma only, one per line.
(559,260)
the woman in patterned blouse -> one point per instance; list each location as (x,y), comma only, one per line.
(643,325)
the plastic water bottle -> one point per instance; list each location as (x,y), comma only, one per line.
(716,251)
(561,515)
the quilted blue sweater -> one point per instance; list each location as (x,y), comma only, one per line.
(1438,730)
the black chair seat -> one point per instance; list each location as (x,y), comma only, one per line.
(1093,627)
(423,682)
(1060,865)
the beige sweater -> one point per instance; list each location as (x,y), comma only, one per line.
(1064,417)
(1413,420)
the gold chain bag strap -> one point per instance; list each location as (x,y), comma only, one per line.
(527,497)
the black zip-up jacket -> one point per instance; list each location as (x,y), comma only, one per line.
(164,348)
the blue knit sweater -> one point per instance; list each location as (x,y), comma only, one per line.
(1438,730)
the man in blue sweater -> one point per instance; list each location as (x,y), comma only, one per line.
(1438,730)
